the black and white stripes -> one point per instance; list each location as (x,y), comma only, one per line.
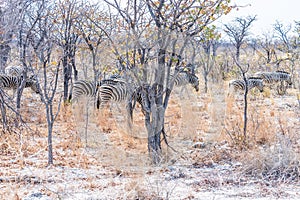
(252,82)
(275,77)
(280,79)
(83,88)
(14,70)
(13,82)
(112,90)
(183,78)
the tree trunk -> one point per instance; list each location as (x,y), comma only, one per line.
(245,109)
(205,82)
(4,54)
(156,123)
(3,111)
(50,122)
(66,73)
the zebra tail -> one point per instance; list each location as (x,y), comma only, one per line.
(70,97)
(98,103)
(130,114)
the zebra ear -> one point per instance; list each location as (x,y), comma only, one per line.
(32,77)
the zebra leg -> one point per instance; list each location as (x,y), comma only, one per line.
(281,88)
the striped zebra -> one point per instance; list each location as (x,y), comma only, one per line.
(183,78)
(252,82)
(14,70)
(112,90)
(13,82)
(118,90)
(279,79)
(83,88)
(140,95)
(275,77)
(89,88)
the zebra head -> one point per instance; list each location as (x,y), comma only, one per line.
(289,79)
(260,84)
(194,81)
(32,83)
(256,82)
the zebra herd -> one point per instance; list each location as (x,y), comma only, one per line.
(117,89)
(262,79)
(13,78)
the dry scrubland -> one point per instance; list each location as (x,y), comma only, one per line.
(109,161)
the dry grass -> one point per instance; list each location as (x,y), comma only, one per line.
(276,163)
(204,129)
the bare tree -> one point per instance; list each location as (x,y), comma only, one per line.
(10,14)
(40,43)
(92,35)
(237,31)
(244,70)
(266,48)
(166,27)
(287,44)
(209,42)
(66,13)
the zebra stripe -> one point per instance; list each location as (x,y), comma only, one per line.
(252,82)
(118,90)
(140,95)
(14,70)
(112,90)
(89,88)
(183,78)
(275,77)
(13,82)
(83,88)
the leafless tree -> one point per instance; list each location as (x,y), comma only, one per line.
(288,44)
(237,31)
(209,41)
(66,13)
(244,69)
(268,47)
(10,17)
(40,42)
(163,28)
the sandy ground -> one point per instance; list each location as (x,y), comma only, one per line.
(104,160)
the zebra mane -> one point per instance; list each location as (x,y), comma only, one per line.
(254,77)
(281,71)
(112,81)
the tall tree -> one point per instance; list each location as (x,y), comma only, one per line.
(39,43)
(92,35)
(66,13)
(164,28)
(10,17)
(288,44)
(209,41)
(237,32)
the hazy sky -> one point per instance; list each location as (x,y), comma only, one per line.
(267,11)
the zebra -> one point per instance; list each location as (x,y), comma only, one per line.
(83,88)
(112,90)
(89,88)
(275,77)
(13,82)
(183,78)
(14,70)
(252,82)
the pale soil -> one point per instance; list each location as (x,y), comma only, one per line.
(111,162)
